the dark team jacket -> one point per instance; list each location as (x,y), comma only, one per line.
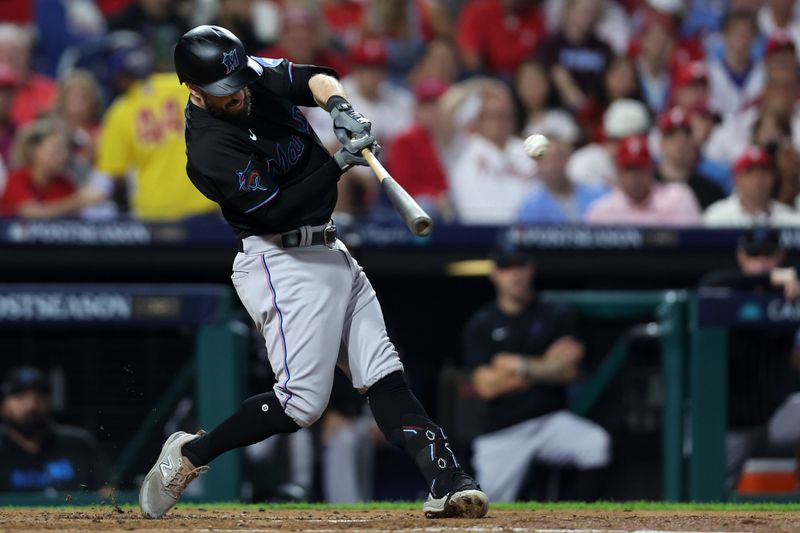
(70,459)
(760,376)
(269,172)
(530,333)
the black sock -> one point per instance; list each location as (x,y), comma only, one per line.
(258,417)
(404,422)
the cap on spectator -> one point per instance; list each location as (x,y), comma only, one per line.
(779,41)
(673,119)
(624,118)
(673,7)
(633,153)
(429,89)
(371,52)
(753,157)
(760,240)
(689,73)
(8,78)
(23,379)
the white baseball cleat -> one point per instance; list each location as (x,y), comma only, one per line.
(466,500)
(169,477)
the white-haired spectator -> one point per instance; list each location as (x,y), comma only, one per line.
(594,163)
(638,199)
(735,78)
(751,203)
(35,93)
(488,171)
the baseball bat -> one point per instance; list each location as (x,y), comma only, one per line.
(417,220)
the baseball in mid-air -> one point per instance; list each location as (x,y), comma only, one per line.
(536,146)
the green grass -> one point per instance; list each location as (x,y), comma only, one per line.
(415,506)
(595,506)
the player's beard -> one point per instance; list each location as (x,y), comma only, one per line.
(226,113)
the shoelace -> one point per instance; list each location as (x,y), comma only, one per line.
(180,481)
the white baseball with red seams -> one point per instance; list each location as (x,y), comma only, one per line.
(536,146)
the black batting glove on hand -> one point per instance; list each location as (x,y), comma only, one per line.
(347,122)
(350,153)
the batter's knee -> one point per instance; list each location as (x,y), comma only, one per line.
(306,407)
(596,449)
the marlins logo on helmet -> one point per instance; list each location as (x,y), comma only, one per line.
(230,60)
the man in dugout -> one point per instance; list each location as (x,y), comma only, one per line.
(523,354)
(763,379)
(36,454)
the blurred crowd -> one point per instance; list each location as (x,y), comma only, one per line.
(659,112)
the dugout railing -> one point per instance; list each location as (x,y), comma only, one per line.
(690,327)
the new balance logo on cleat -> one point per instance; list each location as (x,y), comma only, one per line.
(166,465)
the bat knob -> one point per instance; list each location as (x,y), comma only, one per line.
(422,226)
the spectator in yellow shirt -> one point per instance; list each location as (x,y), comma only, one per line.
(142,138)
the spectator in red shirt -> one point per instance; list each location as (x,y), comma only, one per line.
(495,36)
(343,17)
(39,187)
(35,93)
(415,160)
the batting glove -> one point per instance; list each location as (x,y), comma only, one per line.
(350,153)
(347,122)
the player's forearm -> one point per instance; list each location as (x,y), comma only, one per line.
(491,383)
(323,86)
(550,371)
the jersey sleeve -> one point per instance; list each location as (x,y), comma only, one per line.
(290,80)
(114,147)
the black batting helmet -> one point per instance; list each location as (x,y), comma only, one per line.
(214,59)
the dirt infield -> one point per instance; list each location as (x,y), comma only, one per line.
(550,521)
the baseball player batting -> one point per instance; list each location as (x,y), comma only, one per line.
(251,150)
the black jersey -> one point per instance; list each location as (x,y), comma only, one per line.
(490,331)
(70,459)
(268,172)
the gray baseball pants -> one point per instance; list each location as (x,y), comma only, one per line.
(316,309)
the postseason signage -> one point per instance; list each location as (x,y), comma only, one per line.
(127,304)
(724,308)
(384,232)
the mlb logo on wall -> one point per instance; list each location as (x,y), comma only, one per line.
(230,60)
